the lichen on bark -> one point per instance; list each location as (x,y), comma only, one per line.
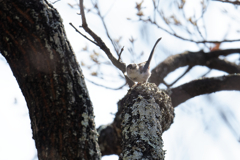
(147,112)
(35,45)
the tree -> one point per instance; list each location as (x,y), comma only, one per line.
(34,43)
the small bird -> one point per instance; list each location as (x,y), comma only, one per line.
(141,72)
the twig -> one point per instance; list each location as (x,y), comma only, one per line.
(83,34)
(187,70)
(227,1)
(120,65)
(165,83)
(200,33)
(105,27)
(204,75)
(55,1)
(209,59)
(106,86)
(119,55)
(190,40)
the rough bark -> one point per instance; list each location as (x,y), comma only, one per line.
(110,139)
(34,43)
(110,136)
(147,112)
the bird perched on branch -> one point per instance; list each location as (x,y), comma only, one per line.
(141,72)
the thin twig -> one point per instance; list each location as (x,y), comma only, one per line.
(204,75)
(165,83)
(227,1)
(120,65)
(209,59)
(106,86)
(83,34)
(55,1)
(119,55)
(187,70)
(190,40)
(105,27)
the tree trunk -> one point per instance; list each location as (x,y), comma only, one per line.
(34,43)
(147,113)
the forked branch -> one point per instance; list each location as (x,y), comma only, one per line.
(99,42)
(209,59)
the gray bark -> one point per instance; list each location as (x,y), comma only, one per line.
(34,43)
(147,112)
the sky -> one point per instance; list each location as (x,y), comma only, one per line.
(198,132)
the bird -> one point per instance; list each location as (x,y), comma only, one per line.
(141,72)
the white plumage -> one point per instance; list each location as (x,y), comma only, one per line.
(141,72)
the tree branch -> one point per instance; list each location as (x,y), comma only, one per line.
(223,65)
(186,39)
(227,1)
(35,45)
(100,43)
(110,135)
(198,87)
(187,70)
(147,113)
(105,27)
(83,34)
(209,59)
(106,86)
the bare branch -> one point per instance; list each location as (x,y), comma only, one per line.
(208,59)
(223,65)
(106,86)
(204,86)
(204,75)
(119,55)
(189,40)
(188,69)
(227,1)
(110,135)
(105,27)
(100,43)
(83,34)
(55,1)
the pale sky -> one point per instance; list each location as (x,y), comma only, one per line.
(198,131)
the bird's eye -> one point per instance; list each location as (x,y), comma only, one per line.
(132,66)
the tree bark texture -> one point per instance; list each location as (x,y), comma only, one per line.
(147,112)
(34,43)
